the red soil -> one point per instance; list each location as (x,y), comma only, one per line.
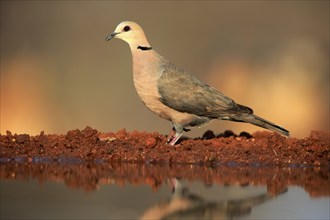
(260,148)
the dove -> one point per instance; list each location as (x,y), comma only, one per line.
(176,95)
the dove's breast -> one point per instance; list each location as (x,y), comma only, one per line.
(145,76)
(146,72)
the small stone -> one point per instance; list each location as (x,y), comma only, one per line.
(208,135)
(228,133)
(245,134)
(151,142)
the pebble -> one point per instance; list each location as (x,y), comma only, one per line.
(151,142)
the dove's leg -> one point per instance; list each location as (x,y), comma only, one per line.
(175,134)
(175,138)
(170,135)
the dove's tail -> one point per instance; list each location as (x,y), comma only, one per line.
(253,119)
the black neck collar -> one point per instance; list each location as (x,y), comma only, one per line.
(144,48)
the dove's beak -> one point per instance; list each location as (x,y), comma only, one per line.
(109,37)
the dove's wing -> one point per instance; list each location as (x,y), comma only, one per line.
(183,92)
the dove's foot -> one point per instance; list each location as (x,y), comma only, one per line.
(173,137)
(170,135)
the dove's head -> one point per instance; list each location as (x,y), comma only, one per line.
(131,33)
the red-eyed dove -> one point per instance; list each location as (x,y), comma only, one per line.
(176,95)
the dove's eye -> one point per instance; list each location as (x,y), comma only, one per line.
(127,28)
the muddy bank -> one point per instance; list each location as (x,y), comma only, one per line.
(257,149)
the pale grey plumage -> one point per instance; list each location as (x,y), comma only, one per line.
(185,93)
(176,95)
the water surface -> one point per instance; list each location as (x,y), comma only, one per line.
(76,190)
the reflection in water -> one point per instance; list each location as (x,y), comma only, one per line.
(198,192)
(89,176)
(187,205)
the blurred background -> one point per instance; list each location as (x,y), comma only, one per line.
(58,73)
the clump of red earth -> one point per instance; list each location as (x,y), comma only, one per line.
(259,148)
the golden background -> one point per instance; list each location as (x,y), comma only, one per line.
(58,73)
